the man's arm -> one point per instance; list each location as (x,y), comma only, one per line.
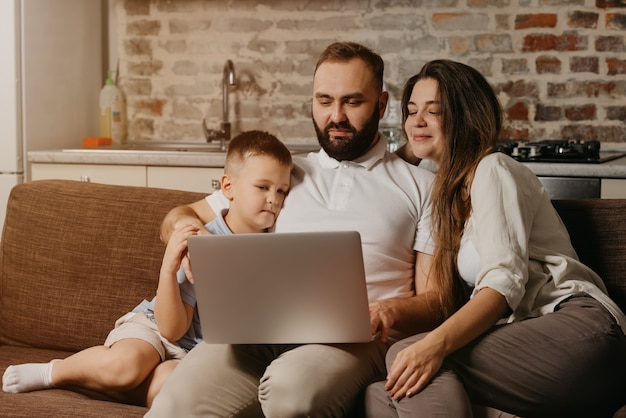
(412,315)
(197,214)
(406,153)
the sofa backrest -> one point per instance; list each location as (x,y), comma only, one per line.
(597,229)
(76,256)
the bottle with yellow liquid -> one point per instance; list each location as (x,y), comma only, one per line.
(112,112)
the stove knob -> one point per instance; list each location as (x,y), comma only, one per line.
(532,151)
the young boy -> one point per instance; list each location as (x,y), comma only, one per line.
(137,356)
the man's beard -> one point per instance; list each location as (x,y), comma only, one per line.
(348,148)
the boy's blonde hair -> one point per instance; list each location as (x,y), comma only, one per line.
(253,143)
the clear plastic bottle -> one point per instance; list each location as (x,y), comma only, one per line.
(112,112)
(391,124)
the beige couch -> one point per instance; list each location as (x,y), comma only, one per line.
(75,256)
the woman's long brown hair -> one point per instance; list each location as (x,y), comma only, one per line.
(471,122)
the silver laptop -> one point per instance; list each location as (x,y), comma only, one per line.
(281,288)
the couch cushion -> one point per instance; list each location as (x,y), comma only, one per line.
(76,256)
(597,229)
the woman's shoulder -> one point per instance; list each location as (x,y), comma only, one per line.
(500,162)
(498,159)
(501,168)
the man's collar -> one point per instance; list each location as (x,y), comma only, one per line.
(367,160)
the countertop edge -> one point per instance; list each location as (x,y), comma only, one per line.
(169,159)
(610,169)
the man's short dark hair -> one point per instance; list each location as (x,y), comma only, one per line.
(347,51)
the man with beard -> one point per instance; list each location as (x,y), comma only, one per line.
(352,183)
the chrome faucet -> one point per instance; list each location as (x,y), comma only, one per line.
(223,135)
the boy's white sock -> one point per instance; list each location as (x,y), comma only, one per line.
(27,377)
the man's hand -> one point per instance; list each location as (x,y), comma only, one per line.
(381,318)
(173,222)
(196,214)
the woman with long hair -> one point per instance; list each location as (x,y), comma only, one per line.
(539,335)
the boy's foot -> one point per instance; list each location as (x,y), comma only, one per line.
(27,377)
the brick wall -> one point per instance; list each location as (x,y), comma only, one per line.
(558,66)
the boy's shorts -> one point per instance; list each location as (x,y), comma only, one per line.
(139,326)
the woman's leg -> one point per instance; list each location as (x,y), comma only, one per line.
(378,404)
(444,396)
(567,363)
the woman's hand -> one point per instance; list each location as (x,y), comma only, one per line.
(414,367)
(418,363)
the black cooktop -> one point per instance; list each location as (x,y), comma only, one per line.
(558,151)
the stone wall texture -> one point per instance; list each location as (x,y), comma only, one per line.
(558,66)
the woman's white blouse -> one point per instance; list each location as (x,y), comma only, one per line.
(468,261)
(523,248)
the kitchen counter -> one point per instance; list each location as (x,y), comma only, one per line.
(168,155)
(129,157)
(610,169)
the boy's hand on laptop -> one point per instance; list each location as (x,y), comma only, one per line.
(176,249)
(381,319)
(186,265)
(185,262)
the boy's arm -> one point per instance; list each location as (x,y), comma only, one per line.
(173,316)
(197,214)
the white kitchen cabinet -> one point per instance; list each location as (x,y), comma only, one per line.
(194,179)
(613,189)
(126,175)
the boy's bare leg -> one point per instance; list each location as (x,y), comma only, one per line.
(122,367)
(157,379)
(145,393)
